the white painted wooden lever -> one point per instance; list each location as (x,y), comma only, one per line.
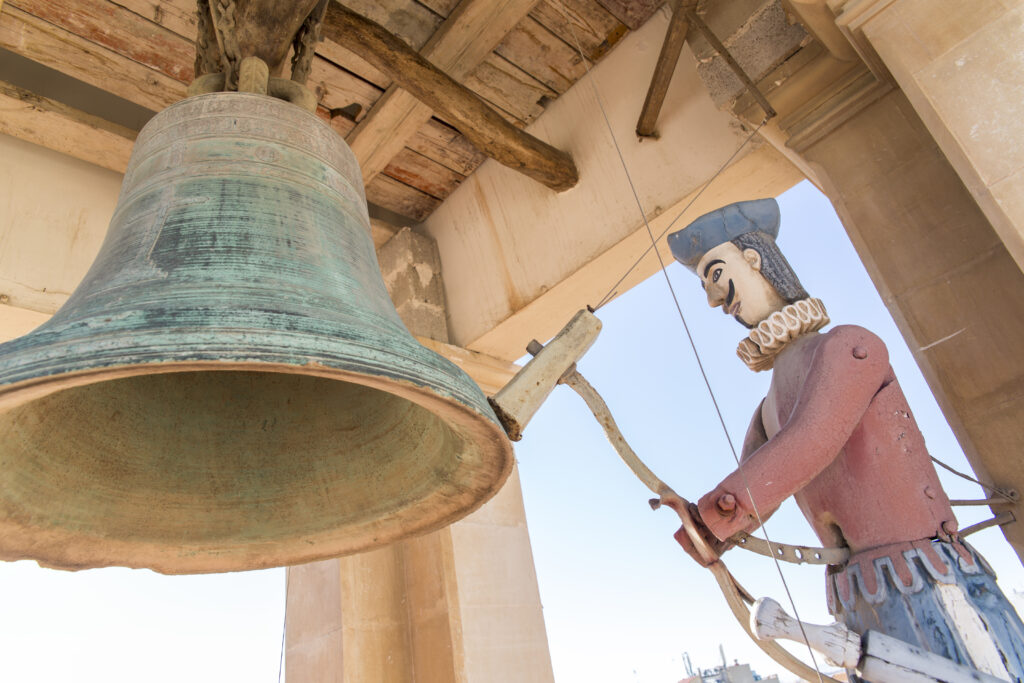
(840,645)
(882,658)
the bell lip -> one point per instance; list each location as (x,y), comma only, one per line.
(211,557)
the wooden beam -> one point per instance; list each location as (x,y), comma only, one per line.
(79,58)
(121,31)
(56,126)
(483,126)
(457,47)
(403,199)
(663,70)
(386,129)
(86,39)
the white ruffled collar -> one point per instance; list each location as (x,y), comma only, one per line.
(772,334)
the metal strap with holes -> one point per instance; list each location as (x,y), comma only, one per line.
(797,554)
(802,554)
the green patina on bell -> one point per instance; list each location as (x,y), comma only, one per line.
(230,386)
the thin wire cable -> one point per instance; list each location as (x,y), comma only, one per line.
(693,345)
(284,626)
(613,291)
(987,487)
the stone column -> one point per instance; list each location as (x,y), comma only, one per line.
(962,67)
(949,280)
(459,604)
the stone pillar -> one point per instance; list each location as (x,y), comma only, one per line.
(459,604)
(947,277)
(962,67)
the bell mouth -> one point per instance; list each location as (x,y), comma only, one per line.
(210,467)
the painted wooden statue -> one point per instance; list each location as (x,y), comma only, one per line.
(836,433)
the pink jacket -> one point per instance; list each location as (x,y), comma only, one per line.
(835,431)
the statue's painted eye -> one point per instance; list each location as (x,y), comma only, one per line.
(717,274)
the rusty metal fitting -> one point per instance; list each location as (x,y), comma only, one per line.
(4,299)
(726,504)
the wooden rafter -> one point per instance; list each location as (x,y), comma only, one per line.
(459,45)
(484,127)
(56,126)
(48,44)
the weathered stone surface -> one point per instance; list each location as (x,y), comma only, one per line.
(763,41)
(411,267)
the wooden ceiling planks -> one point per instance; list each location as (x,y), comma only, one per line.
(178,18)
(123,32)
(540,53)
(585,22)
(49,123)
(142,51)
(509,88)
(86,60)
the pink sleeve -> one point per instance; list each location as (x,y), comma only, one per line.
(755,437)
(847,370)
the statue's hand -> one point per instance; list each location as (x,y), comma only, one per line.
(695,537)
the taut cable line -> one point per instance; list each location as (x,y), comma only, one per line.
(614,288)
(682,317)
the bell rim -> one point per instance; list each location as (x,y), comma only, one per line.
(208,557)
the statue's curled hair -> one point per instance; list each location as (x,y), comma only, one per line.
(774,266)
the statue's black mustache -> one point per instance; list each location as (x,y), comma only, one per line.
(730,295)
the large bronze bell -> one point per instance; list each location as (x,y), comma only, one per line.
(230,386)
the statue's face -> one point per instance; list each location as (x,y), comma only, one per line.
(733,280)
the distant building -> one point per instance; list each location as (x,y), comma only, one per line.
(737,673)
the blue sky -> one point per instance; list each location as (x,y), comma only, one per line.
(622,602)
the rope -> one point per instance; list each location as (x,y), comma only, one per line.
(600,102)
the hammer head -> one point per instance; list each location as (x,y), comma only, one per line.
(518,400)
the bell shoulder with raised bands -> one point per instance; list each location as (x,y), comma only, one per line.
(230,386)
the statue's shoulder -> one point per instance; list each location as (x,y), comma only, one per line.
(852,345)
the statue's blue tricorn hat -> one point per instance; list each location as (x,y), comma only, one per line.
(723,225)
